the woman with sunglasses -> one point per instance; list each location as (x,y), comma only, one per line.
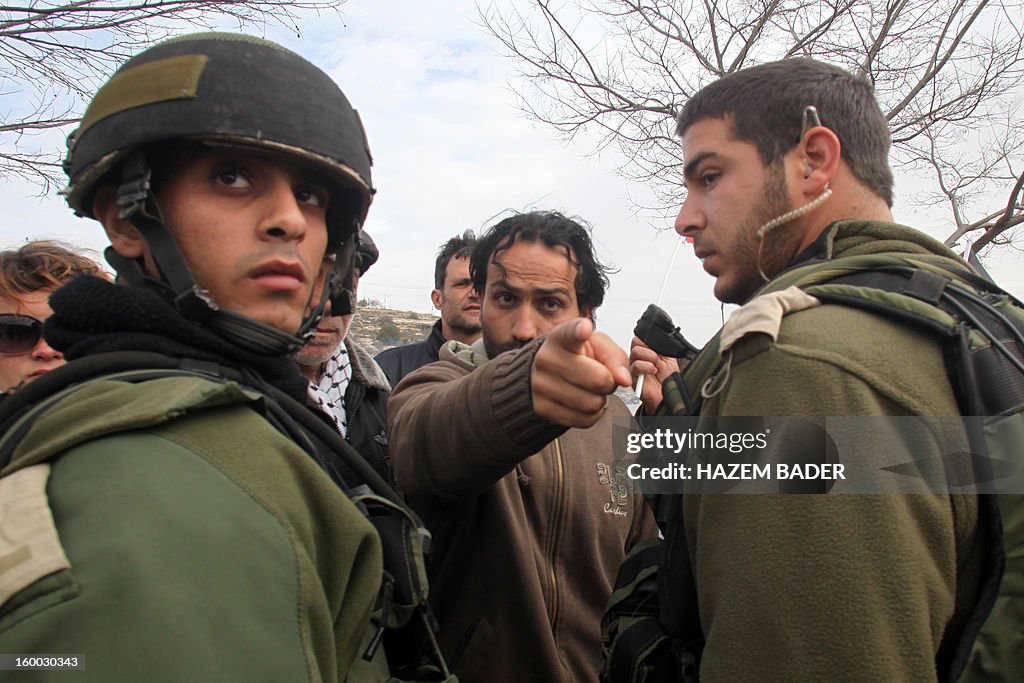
(28,276)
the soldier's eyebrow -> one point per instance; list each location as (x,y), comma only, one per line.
(691,166)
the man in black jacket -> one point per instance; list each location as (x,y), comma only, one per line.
(458,302)
(345,382)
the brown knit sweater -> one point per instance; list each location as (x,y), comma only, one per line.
(530,523)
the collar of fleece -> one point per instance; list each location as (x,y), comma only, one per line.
(91,315)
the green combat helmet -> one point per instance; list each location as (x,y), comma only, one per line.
(226,90)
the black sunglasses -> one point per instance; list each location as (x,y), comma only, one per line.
(18,334)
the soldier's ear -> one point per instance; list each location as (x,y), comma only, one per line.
(821,154)
(123,236)
(435,298)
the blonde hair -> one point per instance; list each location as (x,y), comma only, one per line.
(42,264)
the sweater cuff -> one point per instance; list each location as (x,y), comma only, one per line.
(513,400)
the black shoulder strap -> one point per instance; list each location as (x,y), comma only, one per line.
(1003,361)
(285,413)
(37,396)
(954,653)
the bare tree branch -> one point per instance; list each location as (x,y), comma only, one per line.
(54,55)
(1012,216)
(944,71)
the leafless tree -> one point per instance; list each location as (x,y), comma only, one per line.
(948,73)
(53,55)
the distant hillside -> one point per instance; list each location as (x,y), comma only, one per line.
(377,328)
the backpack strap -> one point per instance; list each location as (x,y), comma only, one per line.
(954,653)
(20,409)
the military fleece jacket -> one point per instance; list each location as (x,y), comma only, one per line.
(530,520)
(174,535)
(834,587)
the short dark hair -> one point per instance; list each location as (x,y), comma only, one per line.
(460,246)
(39,265)
(764,105)
(555,231)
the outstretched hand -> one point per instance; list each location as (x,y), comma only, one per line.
(574,371)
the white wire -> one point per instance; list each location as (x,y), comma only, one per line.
(661,295)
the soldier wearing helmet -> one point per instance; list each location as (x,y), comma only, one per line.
(183,518)
(193,102)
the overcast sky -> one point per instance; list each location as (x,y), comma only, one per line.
(452,152)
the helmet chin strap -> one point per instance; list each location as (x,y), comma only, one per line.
(138,206)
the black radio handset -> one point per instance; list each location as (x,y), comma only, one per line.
(656,329)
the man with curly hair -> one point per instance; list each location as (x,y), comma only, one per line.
(504,449)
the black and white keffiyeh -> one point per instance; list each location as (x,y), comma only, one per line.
(329,392)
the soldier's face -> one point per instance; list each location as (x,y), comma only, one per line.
(253,230)
(730,194)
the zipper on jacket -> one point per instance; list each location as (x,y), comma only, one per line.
(554,542)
